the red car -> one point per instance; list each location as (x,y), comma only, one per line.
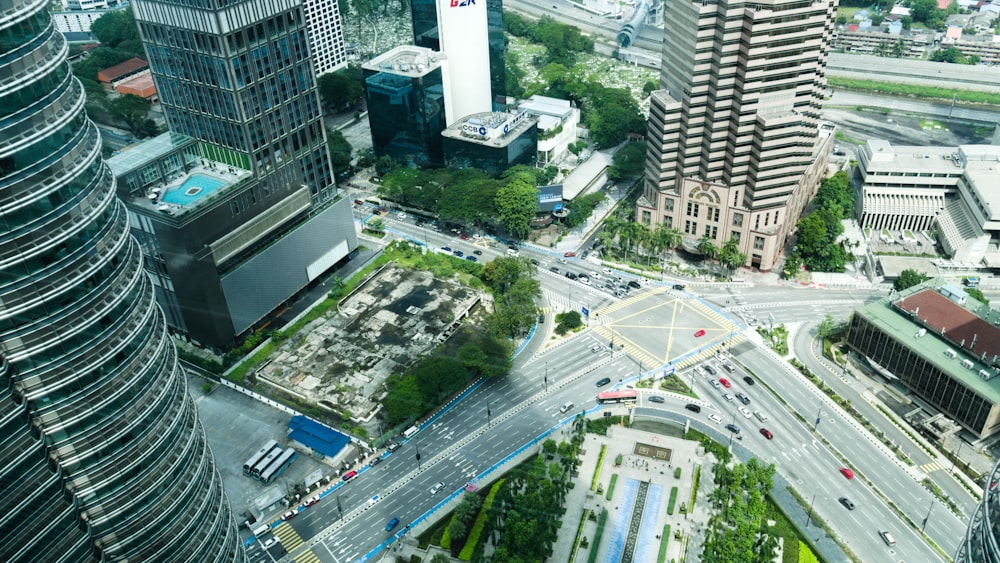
(699,334)
(766,433)
(725,382)
(464,236)
(847,472)
(347,476)
(570,254)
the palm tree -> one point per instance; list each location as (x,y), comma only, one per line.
(707,248)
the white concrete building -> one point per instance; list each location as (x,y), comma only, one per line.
(326,35)
(557,126)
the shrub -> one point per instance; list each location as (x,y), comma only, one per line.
(677,473)
(672,501)
(611,486)
(477,527)
(597,470)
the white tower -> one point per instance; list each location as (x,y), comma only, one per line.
(464,40)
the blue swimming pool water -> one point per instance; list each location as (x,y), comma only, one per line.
(180,195)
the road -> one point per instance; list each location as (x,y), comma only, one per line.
(843,98)
(502,415)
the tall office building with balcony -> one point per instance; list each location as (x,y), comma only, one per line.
(102,456)
(735,145)
(236,209)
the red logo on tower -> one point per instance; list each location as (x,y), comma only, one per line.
(460,3)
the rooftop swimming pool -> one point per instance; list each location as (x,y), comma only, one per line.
(194,187)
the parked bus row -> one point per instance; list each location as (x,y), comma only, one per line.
(269,462)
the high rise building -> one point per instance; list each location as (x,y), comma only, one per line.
(102,456)
(735,145)
(238,224)
(405,96)
(982,540)
(326,35)
(457,28)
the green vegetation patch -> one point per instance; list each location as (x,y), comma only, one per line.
(611,486)
(477,528)
(914,90)
(672,501)
(601,520)
(664,542)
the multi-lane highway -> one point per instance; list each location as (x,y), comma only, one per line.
(502,415)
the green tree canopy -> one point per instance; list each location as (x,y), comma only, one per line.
(118,30)
(628,162)
(516,204)
(909,278)
(340,151)
(131,110)
(341,89)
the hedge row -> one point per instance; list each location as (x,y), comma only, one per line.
(597,470)
(673,500)
(477,526)
(611,485)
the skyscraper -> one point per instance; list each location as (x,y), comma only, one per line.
(982,540)
(102,456)
(735,144)
(457,28)
(226,251)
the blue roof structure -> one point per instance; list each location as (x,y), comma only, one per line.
(319,437)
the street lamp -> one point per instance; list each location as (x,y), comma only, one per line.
(924,523)
(955,455)
(488,415)
(416,446)
(546,377)
(810,515)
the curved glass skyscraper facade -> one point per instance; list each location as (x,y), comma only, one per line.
(982,541)
(102,456)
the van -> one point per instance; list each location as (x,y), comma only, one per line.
(261,530)
(566,406)
(887,538)
(409,432)
(760,416)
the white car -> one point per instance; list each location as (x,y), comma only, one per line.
(744,412)
(595,275)
(401,215)
(715,418)
(716,384)
(606,270)
(584,280)
(727,397)
(437,487)
(270,542)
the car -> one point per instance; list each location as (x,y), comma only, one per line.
(477,236)
(678,287)
(437,487)
(391,524)
(596,348)
(846,502)
(710,369)
(766,433)
(566,406)
(393,446)
(554,269)
(744,412)
(569,254)
(725,382)
(349,475)
(571,275)
(609,284)
(374,499)
(358,202)
(472,258)
(314,499)
(728,367)
(535,262)
(733,428)
(847,473)
(595,275)
(657,399)
(446,249)
(700,370)
(743,398)
(376,212)
(716,384)
(715,418)
(749,380)
(692,407)
(289,515)
(377,460)
(603,381)
(458,253)
(513,252)
(562,261)
(606,270)
(634,284)
(887,538)
(477,252)
(583,279)
(700,333)
(383,209)
(727,397)
(619,294)
(270,542)
(401,215)
(464,236)
(585,253)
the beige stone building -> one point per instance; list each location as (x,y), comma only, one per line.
(735,144)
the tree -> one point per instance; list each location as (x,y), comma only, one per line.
(707,248)
(340,151)
(384,164)
(628,162)
(516,204)
(977,294)
(909,278)
(118,30)
(730,255)
(131,110)
(341,89)
(570,320)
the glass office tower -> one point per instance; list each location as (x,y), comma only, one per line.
(102,456)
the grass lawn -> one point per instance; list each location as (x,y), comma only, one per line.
(848,13)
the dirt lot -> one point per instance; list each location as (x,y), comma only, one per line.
(341,360)
(901,129)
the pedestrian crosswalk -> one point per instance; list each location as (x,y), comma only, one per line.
(291,541)
(932,466)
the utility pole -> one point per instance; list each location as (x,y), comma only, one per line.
(809,517)
(924,523)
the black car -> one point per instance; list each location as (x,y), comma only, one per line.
(657,399)
(375,461)
(733,428)
(604,381)
(554,269)
(477,252)
(535,262)
(710,369)
(847,503)
(749,380)
(571,275)
(678,287)
(634,284)
(692,407)
(584,255)
(743,398)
